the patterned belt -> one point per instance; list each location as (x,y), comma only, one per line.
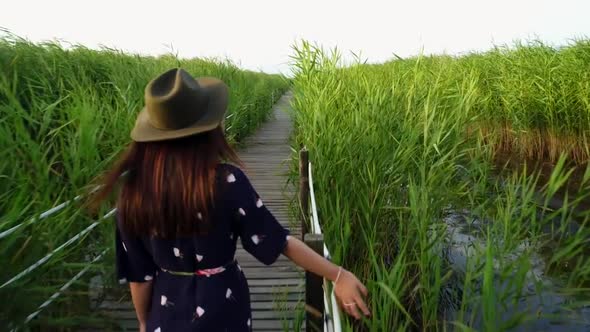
(203,272)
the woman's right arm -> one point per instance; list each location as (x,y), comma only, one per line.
(265,238)
(347,288)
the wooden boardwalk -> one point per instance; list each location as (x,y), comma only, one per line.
(276,291)
(267,158)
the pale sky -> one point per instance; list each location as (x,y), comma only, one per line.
(258,34)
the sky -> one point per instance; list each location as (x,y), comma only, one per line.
(259,35)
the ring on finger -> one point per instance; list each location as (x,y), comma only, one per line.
(349,304)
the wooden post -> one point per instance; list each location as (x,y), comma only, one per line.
(304,189)
(314,291)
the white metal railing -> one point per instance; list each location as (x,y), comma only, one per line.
(47,257)
(332,317)
(62,289)
(44,215)
(56,250)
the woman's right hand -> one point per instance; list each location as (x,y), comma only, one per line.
(349,291)
(351,294)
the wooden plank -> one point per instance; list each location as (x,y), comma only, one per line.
(249,265)
(273,275)
(259,309)
(259,324)
(257,289)
(267,157)
(276,282)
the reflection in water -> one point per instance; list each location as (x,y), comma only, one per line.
(541,303)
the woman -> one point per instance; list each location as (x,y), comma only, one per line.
(182,207)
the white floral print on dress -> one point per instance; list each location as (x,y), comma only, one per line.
(158,330)
(228,293)
(177,252)
(249,322)
(124,247)
(199,215)
(259,203)
(148,277)
(198,313)
(241,211)
(256,239)
(231,178)
(199,257)
(164,301)
(122,280)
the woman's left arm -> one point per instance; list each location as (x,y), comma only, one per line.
(141,294)
(135,265)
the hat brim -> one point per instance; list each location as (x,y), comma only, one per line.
(218,101)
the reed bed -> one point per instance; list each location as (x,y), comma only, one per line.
(402,149)
(531,98)
(65,114)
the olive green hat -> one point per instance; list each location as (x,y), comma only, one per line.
(178,105)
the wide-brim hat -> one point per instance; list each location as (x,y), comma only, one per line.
(179,105)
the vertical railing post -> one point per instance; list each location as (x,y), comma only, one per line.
(304,189)
(314,292)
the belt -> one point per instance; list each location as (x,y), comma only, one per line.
(203,272)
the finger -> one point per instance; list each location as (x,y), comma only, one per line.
(356,312)
(346,309)
(362,305)
(353,311)
(344,305)
(364,289)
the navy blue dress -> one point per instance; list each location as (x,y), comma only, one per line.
(216,298)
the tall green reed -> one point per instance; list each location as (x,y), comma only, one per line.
(394,153)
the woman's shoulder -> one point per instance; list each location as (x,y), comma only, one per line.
(228,167)
(230,172)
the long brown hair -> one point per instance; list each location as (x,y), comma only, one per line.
(170,186)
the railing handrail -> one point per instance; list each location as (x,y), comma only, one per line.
(316,229)
(45,214)
(62,289)
(315,226)
(63,245)
(53,252)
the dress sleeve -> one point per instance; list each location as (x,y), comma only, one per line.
(133,262)
(261,234)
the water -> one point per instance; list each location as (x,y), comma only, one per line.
(541,302)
